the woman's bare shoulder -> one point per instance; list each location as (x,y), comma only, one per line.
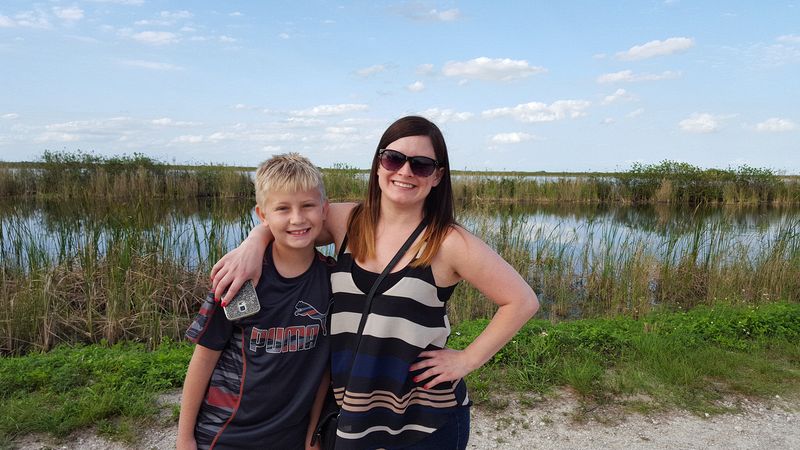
(336,222)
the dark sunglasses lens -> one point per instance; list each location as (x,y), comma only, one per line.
(392,160)
(422,166)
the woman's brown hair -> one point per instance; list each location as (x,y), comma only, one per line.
(438,209)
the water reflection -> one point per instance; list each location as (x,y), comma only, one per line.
(200,229)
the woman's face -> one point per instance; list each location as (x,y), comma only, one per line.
(402,186)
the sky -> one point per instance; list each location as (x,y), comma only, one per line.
(522,85)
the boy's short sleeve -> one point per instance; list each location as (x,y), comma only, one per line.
(210,328)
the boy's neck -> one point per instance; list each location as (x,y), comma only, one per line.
(292,262)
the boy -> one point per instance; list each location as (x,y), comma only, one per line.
(252,382)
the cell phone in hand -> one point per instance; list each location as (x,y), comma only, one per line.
(245,304)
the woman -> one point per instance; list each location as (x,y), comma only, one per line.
(400,388)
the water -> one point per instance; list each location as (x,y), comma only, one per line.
(195,227)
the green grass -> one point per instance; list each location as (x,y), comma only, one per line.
(74,387)
(690,360)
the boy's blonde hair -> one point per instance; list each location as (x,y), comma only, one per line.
(288,172)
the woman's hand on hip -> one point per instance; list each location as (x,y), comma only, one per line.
(442,365)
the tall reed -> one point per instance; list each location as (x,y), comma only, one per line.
(90,281)
(95,282)
(601,269)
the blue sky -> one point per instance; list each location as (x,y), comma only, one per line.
(572,85)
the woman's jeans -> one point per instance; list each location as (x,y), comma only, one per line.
(452,436)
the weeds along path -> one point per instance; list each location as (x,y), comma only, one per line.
(557,422)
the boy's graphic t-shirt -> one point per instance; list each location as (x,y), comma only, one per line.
(265,381)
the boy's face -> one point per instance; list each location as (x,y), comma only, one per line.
(295,218)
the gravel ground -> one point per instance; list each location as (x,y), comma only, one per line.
(559,422)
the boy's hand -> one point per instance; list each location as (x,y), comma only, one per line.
(237,266)
(313,447)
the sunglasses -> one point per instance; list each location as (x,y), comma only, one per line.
(421,166)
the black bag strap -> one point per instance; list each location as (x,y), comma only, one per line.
(397,257)
(342,248)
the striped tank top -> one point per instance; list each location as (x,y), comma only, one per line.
(381,405)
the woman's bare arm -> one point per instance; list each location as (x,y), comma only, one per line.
(474,261)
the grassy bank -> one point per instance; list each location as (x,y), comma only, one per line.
(81,175)
(87,176)
(688,360)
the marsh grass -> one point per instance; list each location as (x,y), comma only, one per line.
(605,270)
(81,175)
(85,175)
(138,279)
(88,282)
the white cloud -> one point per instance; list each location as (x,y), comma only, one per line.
(635,113)
(95,126)
(227,39)
(445,115)
(776,125)
(484,68)
(330,110)
(627,76)
(70,14)
(175,15)
(341,130)
(156,37)
(26,19)
(152,65)
(445,16)
(541,112)
(153,22)
(168,122)
(608,121)
(371,70)
(424,69)
(416,86)
(656,48)
(700,123)
(121,2)
(339,134)
(10,116)
(789,39)
(55,136)
(236,14)
(418,11)
(187,139)
(284,36)
(512,138)
(619,94)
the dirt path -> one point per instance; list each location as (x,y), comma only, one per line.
(772,424)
